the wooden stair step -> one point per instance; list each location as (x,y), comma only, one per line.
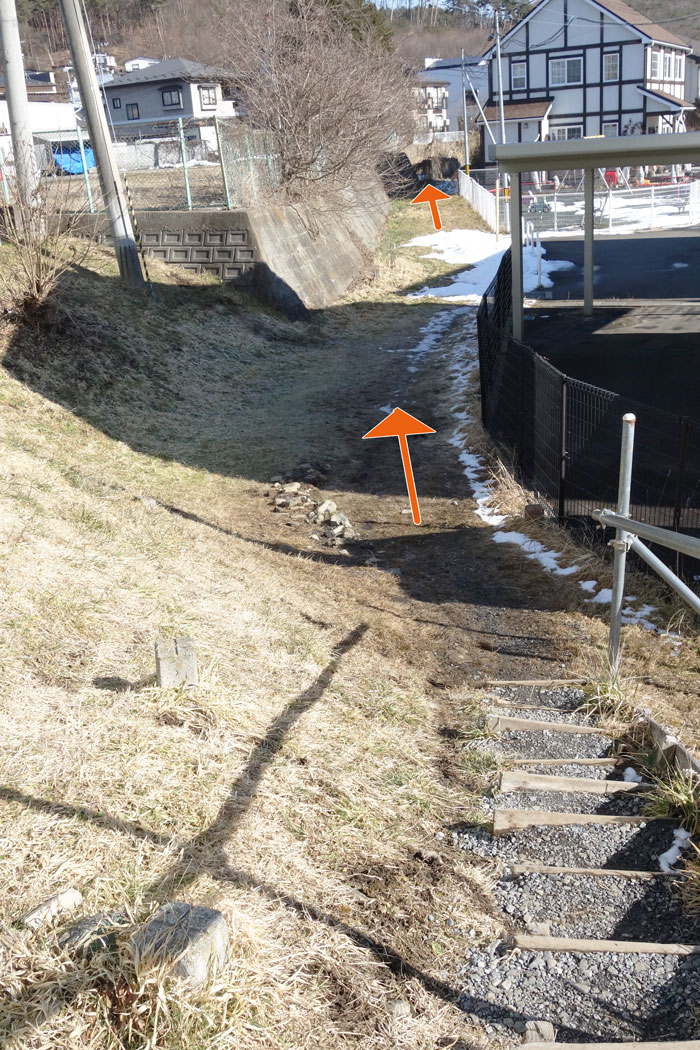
(535,682)
(534,868)
(497,723)
(533,942)
(515,705)
(517,781)
(682,1044)
(518,819)
(554,762)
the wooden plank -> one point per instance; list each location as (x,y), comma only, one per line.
(620,873)
(553,762)
(535,943)
(500,722)
(517,819)
(531,682)
(517,781)
(683,1044)
(514,705)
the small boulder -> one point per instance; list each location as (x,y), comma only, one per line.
(326,510)
(399,1009)
(44,914)
(533,511)
(539,1032)
(192,942)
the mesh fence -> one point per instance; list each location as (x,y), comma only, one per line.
(197,164)
(562,435)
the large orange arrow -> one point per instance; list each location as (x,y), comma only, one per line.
(400,424)
(431,195)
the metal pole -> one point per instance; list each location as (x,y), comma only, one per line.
(224,174)
(501,111)
(464,119)
(88,188)
(183,158)
(498,207)
(666,574)
(26,167)
(516,256)
(480,108)
(588,242)
(115,203)
(620,543)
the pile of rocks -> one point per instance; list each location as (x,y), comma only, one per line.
(291,498)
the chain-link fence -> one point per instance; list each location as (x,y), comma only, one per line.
(563,435)
(197,164)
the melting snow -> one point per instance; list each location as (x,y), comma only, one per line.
(537,552)
(631,776)
(680,842)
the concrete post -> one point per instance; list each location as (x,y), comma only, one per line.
(110,182)
(86,175)
(183,158)
(516,255)
(26,167)
(588,242)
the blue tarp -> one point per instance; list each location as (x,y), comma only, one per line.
(68,159)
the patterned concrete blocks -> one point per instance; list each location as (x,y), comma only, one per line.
(225,252)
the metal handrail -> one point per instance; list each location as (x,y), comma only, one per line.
(627,538)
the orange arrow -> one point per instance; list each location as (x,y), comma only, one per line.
(399,424)
(431,195)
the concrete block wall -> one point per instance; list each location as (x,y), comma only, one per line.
(226,253)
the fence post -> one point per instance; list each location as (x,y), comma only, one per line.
(498,207)
(620,543)
(88,188)
(183,157)
(651,220)
(561,502)
(224,175)
(251,169)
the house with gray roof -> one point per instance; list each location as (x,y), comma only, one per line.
(147,102)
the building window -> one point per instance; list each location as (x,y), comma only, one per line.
(518,76)
(655,69)
(565,132)
(132,111)
(611,67)
(172,98)
(207,96)
(678,67)
(668,65)
(611,129)
(116,103)
(564,71)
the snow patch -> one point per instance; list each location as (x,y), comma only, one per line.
(603,596)
(535,550)
(588,585)
(631,776)
(669,858)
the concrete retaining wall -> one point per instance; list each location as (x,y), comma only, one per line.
(296,258)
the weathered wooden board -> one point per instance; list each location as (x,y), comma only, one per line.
(542,682)
(684,1044)
(553,762)
(526,868)
(517,819)
(533,942)
(498,723)
(517,781)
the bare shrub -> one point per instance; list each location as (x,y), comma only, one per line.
(328,92)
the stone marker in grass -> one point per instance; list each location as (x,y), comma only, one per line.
(187,940)
(59,904)
(176,663)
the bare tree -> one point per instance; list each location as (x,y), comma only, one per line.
(326,88)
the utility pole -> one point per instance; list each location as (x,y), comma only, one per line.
(501,111)
(464,119)
(26,168)
(110,181)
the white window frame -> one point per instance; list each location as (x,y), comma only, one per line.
(566,60)
(519,76)
(655,64)
(610,124)
(554,137)
(677,67)
(611,55)
(668,65)
(207,90)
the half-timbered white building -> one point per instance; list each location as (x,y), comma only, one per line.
(575,68)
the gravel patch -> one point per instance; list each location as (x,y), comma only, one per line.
(635,847)
(607,996)
(621,804)
(549,744)
(606,907)
(563,697)
(574,718)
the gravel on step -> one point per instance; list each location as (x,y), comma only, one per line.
(622,803)
(549,744)
(608,907)
(561,697)
(635,847)
(588,997)
(572,770)
(574,718)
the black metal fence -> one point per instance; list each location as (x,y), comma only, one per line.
(563,435)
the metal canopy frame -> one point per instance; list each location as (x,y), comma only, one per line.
(588,155)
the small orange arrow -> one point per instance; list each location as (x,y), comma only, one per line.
(431,195)
(400,424)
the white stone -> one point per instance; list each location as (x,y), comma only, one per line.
(65,901)
(190,941)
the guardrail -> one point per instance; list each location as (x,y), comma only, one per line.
(627,538)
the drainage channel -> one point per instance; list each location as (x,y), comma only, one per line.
(598,942)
